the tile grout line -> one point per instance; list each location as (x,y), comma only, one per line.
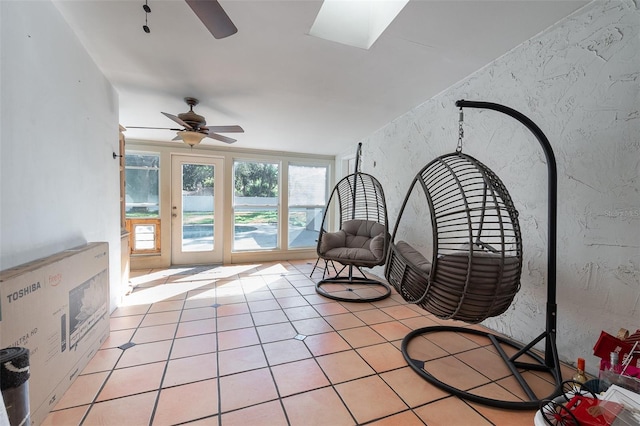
(264,353)
(166,366)
(111,370)
(218,381)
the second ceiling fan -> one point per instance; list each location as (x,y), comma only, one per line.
(194,127)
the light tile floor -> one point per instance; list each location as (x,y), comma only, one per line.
(256,345)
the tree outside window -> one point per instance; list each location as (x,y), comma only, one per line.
(255,205)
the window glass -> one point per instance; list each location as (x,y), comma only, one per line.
(307,199)
(197,207)
(255,205)
(142,189)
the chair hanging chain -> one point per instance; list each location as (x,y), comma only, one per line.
(358,158)
(460,131)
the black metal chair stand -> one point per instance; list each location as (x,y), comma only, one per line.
(327,265)
(350,288)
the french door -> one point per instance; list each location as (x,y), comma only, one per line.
(196,209)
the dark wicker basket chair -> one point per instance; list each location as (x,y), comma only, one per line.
(475,269)
(361,241)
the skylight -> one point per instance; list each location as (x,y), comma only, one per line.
(356,23)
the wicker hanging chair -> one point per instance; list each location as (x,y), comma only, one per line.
(475,269)
(361,241)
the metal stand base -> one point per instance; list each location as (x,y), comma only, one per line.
(356,289)
(550,365)
(325,269)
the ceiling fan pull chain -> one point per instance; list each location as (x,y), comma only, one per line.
(460,131)
(147,11)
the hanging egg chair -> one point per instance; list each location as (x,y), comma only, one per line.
(360,241)
(475,269)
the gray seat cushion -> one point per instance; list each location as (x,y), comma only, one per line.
(359,241)
(413,256)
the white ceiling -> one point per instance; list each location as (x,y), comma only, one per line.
(288,90)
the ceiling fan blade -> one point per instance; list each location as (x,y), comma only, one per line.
(213,17)
(177,120)
(221,138)
(152,128)
(224,129)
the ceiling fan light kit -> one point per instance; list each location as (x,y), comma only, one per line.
(190,138)
(194,127)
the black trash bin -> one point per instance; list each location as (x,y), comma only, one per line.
(14,384)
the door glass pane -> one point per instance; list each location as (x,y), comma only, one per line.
(255,205)
(197,207)
(307,199)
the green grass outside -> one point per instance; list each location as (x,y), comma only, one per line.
(142,215)
(256,217)
(200,218)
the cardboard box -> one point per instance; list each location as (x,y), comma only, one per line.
(58,308)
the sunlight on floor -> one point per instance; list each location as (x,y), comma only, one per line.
(145,288)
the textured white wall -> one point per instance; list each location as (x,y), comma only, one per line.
(59,183)
(579,81)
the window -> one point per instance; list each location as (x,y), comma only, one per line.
(255,205)
(307,200)
(142,202)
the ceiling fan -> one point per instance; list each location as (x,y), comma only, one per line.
(213,17)
(194,127)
